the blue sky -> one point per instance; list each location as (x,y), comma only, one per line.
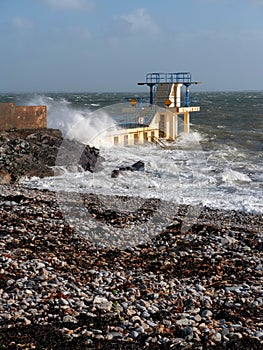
(103,45)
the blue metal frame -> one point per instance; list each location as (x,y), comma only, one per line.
(180,77)
(152,80)
(131,121)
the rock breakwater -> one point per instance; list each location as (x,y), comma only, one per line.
(28,153)
(200,289)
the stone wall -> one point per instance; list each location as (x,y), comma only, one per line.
(22,117)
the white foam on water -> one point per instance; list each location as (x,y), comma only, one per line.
(179,176)
(92,129)
(186,174)
(231,177)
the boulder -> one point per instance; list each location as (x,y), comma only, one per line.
(28,153)
(5,178)
(138,166)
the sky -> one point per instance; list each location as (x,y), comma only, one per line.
(110,45)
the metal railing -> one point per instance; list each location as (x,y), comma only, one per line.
(180,77)
(158,142)
(139,115)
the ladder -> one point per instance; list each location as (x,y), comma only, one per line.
(158,142)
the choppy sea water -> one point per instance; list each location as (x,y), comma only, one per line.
(219,164)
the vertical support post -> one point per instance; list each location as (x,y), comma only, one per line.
(177,95)
(156,133)
(186,122)
(173,126)
(187,95)
(121,140)
(151,85)
(130,139)
(167,127)
(170,123)
(141,137)
(175,123)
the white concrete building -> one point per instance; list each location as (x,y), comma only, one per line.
(157,121)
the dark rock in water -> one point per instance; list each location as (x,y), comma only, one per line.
(90,159)
(34,152)
(138,166)
(125,168)
(115,173)
(73,153)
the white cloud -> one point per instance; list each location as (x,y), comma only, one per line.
(71,4)
(140,21)
(22,23)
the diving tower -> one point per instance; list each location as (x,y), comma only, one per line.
(166,91)
(159,120)
(167,86)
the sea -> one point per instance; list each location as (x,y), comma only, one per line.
(218,164)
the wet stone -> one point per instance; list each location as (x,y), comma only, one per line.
(182,289)
(207,313)
(182,322)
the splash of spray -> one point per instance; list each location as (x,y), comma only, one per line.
(80,125)
(93,129)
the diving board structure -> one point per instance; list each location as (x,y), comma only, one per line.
(157,120)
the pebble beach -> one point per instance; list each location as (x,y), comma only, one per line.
(194,289)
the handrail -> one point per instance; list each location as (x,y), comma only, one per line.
(131,119)
(152,111)
(158,141)
(180,77)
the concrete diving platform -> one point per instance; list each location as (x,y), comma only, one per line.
(158,121)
